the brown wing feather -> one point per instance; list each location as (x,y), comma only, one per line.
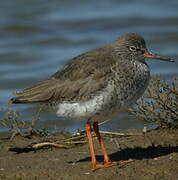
(79,79)
(86,64)
(38,93)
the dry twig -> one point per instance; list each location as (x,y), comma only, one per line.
(159,104)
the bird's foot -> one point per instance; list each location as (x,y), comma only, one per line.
(109,164)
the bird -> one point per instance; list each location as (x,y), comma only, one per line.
(96,86)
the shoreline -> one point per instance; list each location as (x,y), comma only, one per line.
(154,156)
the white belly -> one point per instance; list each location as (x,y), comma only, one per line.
(88,108)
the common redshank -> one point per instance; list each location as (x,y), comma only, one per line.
(96,86)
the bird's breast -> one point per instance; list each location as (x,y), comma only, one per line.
(132,83)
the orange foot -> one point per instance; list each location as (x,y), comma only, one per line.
(109,164)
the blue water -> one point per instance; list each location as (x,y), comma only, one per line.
(38,37)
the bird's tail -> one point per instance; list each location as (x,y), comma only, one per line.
(39,93)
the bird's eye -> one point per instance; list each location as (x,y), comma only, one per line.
(133,48)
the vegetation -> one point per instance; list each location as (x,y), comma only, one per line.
(159,103)
(15,124)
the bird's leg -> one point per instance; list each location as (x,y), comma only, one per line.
(90,142)
(101,142)
(107,161)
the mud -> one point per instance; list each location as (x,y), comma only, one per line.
(154,157)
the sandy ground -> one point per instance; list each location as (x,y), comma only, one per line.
(155,158)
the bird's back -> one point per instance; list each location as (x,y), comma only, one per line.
(83,76)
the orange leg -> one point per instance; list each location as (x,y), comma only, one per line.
(101,142)
(107,161)
(90,142)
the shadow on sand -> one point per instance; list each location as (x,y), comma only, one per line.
(137,153)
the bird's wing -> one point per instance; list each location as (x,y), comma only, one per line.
(80,78)
(86,64)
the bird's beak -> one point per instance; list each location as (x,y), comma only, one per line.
(150,55)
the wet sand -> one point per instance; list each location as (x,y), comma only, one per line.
(155,158)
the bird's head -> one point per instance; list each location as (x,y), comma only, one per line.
(133,47)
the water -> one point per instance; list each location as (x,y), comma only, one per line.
(38,37)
